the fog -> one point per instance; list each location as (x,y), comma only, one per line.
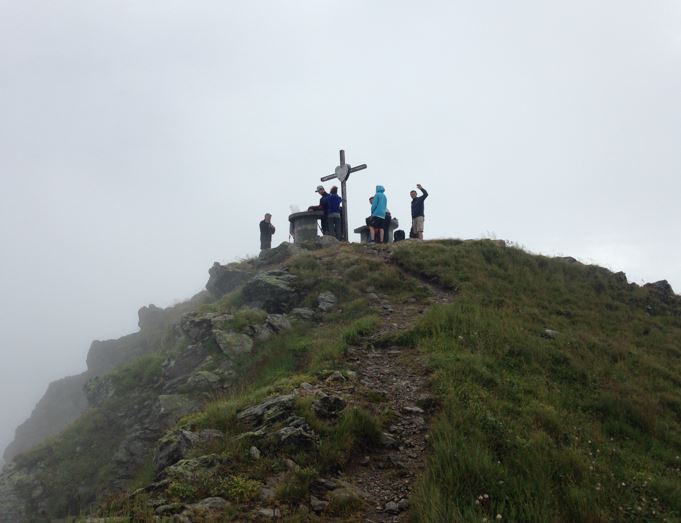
(140,141)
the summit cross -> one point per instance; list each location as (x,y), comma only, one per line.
(343,172)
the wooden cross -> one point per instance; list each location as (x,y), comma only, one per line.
(343,172)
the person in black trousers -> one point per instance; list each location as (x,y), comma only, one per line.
(266,232)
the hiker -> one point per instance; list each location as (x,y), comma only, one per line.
(333,208)
(379,206)
(323,206)
(266,232)
(417,214)
(386,222)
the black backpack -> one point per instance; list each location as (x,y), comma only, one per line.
(399,235)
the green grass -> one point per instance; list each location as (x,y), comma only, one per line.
(581,427)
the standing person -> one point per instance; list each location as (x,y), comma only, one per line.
(266,232)
(333,207)
(378,209)
(323,206)
(417,211)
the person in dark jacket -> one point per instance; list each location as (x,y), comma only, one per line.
(323,206)
(333,208)
(266,232)
(417,211)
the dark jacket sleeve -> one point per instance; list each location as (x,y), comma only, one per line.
(425,193)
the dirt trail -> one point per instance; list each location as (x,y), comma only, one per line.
(396,375)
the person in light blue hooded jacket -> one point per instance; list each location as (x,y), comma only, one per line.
(379,207)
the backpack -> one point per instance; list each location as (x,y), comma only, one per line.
(399,235)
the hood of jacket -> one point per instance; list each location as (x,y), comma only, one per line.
(380,188)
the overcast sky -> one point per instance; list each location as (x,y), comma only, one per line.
(142,140)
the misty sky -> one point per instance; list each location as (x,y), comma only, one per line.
(142,140)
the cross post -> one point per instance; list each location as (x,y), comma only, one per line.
(342,173)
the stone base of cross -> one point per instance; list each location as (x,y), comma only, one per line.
(342,173)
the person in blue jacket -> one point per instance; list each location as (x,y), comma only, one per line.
(333,209)
(378,210)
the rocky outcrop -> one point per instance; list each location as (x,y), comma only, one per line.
(61,404)
(273,291)
(225,278)
(662,289)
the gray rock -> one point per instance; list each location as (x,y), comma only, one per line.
(318,505)
(326,484)
(254,452)
(233,343)
(391,508)
(328,406)
(204,380)
(278,254)
(197,327)
(335,376)
(326,301)
(326,241)
(267,412)
(662,288)
(278,322)
(173,447)
(225,278)
(176,406)
(403,504)
(98,390)
(184,363)
(412,409)
(272,291)
(388,441)
(300,437)
(270,513)
(303,313)
(187,468)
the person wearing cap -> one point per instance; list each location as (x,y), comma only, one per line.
(323,206)
(266,232)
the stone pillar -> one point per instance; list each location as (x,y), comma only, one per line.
(363,232)
(304,225)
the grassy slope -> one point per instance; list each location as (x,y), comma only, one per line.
(582,427)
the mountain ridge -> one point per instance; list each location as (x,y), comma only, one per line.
(376,360)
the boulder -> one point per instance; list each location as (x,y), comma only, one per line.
(197,327)
(318,505)
(297,435)
(326,301)
(272,291)
(151,317)
(184,363)
(225,278)
(204,380)
(279,254)
(328,406)
(303,313)
(278,322)
(187,468)
(233,343)
(662,288)
(268,412)
(175,445)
